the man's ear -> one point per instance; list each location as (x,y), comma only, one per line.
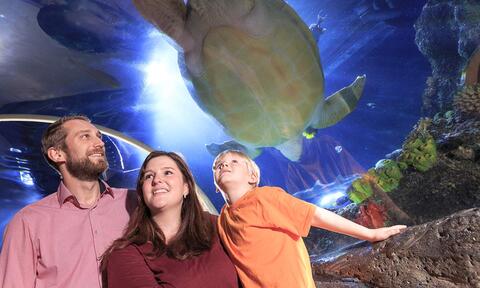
(56,155)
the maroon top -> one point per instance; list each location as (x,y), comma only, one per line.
(130,268)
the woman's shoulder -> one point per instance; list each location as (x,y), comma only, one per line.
(131,250)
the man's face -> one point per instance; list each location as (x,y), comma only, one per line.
(84,150)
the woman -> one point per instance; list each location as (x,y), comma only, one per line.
(169,241)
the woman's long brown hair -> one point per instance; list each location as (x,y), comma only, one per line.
(196,229)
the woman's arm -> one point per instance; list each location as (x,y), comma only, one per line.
(330,221)
(126,268)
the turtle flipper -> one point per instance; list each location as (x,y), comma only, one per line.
(216,12)
(215,149)
(169,17)
(338,105)
(292,149)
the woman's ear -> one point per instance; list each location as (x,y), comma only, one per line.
(185,190)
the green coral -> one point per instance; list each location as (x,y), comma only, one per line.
(386,174)
(449,116)
(420,150)
(360,190)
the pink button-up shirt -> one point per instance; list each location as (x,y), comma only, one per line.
(57,243)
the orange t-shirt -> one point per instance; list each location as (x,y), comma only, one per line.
(262,232)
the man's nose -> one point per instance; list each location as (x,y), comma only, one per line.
(99,143)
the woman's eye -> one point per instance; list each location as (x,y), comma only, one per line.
(147,176)
(168,172)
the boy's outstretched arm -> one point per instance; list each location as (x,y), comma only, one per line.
(330,221)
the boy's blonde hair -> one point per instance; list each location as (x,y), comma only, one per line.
(251,165)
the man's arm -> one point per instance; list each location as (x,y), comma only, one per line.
(330,221)
(18,258)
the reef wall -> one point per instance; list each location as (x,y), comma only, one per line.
(447,33)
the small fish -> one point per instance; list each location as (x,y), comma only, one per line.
(316,28)
(371,105)
(338,148)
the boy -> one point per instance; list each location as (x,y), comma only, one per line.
(262,227)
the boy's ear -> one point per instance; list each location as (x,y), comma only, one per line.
(253,179)
(56,155)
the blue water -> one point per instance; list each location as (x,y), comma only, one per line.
(125,76)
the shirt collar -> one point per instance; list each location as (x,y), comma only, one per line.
(64,194)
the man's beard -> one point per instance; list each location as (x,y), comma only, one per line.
(84,169)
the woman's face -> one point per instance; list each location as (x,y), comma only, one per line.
(163,186)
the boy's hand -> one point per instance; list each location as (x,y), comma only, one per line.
(380,234)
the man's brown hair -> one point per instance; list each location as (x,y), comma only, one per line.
(55,134)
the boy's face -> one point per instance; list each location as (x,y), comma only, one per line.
(233,169)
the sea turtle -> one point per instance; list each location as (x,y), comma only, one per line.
(254,66)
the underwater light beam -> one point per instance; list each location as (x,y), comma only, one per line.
(166,97)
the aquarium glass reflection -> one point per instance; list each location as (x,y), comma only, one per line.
(104,60)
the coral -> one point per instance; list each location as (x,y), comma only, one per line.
(371,215)
(447,33)
(420,150)
(453,183)
(467,101)
(449,116)
(360,190)
(386,174)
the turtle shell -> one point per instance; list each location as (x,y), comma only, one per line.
(262,89)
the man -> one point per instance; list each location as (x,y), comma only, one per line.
(58,241)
